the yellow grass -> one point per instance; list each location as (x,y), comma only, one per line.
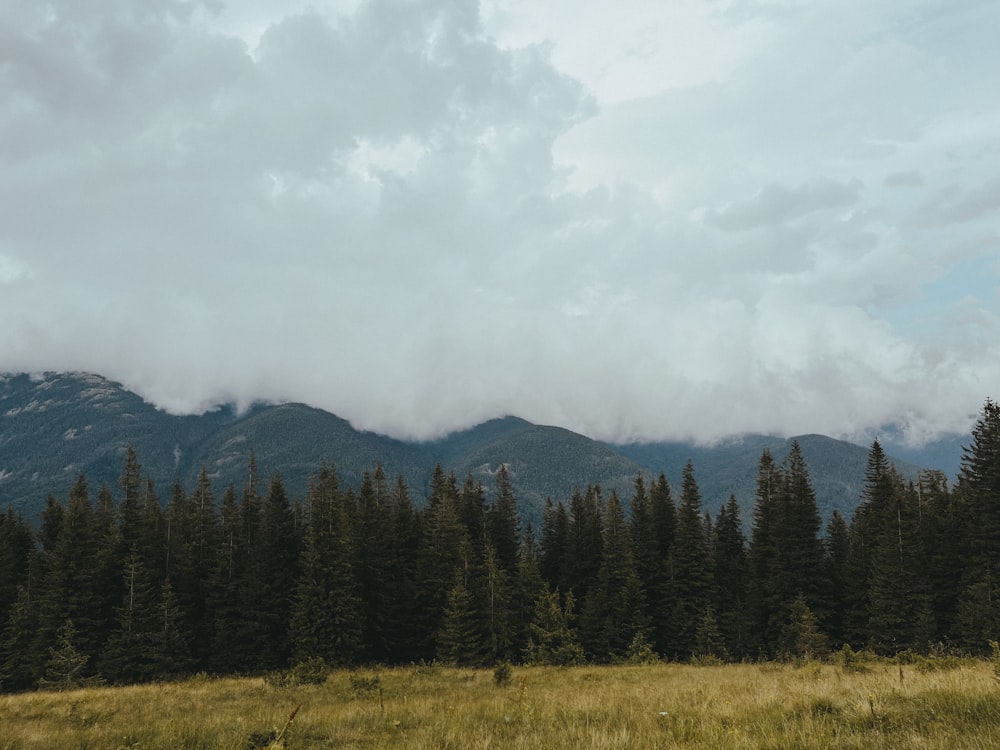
(661,706)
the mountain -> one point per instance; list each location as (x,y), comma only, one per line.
(56,426)
(836,467)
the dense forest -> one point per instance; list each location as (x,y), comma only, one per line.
(122,587)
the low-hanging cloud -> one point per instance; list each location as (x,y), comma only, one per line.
(397,213)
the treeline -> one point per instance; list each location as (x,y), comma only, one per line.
(122,588)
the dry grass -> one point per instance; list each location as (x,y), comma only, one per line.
(663,706)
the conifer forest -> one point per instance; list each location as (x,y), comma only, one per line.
(124,584)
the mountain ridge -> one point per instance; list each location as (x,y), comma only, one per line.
(55,426)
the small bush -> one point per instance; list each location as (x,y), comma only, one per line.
(502,674)
(365,686)
(640,651)
(851,660)
(311,671)
(707,660)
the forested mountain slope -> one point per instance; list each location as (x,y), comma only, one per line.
(56,426)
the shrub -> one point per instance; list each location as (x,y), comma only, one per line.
(365,686)
(311,671)
(502,674)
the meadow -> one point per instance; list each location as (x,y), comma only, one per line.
(946,706)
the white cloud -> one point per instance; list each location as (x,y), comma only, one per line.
(648,222)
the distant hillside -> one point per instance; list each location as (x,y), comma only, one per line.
(55,426)
(836,467)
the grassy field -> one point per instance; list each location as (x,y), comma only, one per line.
(658,706)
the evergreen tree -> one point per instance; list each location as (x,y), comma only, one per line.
(327,617)
(836,549)
(528,589)
(763,556)
(502,522)
(125,658)
(403,641)
(801,637)
(709,642)
(169,642)
(460,639)
(494,595)
(17,542)
(944,550)
(553,638)
(555,539)
(581,559)
(374,559)
(270,589)
(863,534)
(21,665)
(444,548)
(66,668)
(979,493)
(72,584)
(689,590)
(899,614)
(614,612)
(731,577)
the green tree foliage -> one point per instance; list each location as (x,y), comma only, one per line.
(785,549)
(357,575)
(553,638)
(731,571)
(978,612)
(460,639)
(503,524)
(327,617)
(66,668)
(801,636)
(689,590)
(614,611)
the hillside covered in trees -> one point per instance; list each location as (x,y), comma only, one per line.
(124,586)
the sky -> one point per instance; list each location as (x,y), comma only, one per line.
(640,221)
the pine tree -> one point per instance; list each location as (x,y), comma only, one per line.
(581,559)
(689,573)
(169,642)
(899,606)
(444,548)
(21,664)
(553,638)
(863,536)
(979,493)
(801,637)
(614,612)
(17,541)
(555,538)
(125,658)
(502,522)
(528,588)
(67,666)
(731,577)
(374,559)
(836,549)
(709,642)
(763,556)
(460,639)
(327,616)
(939,524)
(71,584)
(403,641)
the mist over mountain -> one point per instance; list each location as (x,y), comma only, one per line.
(56,426)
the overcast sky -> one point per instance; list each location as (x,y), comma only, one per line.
(638,220)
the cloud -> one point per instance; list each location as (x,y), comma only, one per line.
(422,215)
(903,179)
(957,204)
(775,204)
